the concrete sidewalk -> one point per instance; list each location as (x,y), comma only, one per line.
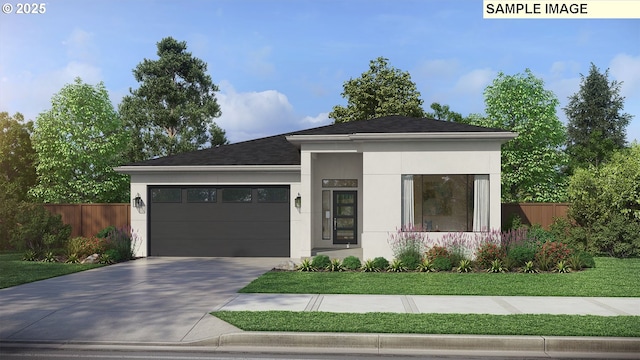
(498,305)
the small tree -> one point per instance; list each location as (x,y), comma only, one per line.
(382,90)
(597,126)
(531,163)
(173,109)
(17,170)
(78,142)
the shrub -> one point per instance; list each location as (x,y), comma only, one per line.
(380,263)
(320,262)
(457,244)
(49,257)
(511,238)
(562,267)
(30,255)
(617,237)
(106,231)
(604,205)
(396,266)
(487,252)
(437,251)
(83,247)
(586,259)
(351,263)
(497,267)
(305,265)
(518,255)
(108,257)
(120,240)
(37,229)
(425,266)
(529,268)
(407,245)
(538,234)
(410,259)
(544,261)
(335,265)
(72,259)
(552,252)
(464,266)
(442,264)
(579,260)
(369,266)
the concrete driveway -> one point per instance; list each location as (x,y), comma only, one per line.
(163,300)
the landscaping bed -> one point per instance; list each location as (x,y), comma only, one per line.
(610,277)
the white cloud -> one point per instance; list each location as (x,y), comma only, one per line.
(474,81)
(31,94)
(257,114)
(252,115)
(626,68)
(318,120)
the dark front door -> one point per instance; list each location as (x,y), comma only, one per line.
(345,217)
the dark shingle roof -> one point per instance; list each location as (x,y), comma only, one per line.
(276,150)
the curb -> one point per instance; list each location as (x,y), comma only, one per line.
(411,343)
(387,344)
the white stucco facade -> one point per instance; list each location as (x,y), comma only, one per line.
(375,161)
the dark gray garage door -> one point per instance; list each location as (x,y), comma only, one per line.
(219,221)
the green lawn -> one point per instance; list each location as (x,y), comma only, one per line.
(611,277)
(549,325)
(14,271)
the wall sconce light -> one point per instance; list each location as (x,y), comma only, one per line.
(298,201)
(137,201)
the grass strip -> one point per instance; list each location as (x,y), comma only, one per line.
(14,271)
(610,277)
(477,324)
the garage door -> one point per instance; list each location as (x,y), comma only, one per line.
(221,221)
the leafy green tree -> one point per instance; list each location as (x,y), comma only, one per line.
(17,157)
(605,205)
(531,163)
(597,126)
(173,109)
(78,142)
(17,170)
(444,112)
(382,90)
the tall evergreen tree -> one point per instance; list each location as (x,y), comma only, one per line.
(173,109)
(597,126)
(382,90)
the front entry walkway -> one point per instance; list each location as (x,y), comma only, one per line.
(497,305)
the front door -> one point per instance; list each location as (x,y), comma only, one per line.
(345,217)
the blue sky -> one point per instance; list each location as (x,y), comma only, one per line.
(280,65)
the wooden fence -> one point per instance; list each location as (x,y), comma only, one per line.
(534,213)
(88,219)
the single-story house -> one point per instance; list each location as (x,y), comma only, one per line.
(347,185)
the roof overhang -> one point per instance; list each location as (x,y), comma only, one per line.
(206,168)
(502,136)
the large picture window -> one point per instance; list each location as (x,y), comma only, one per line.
(446,202)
